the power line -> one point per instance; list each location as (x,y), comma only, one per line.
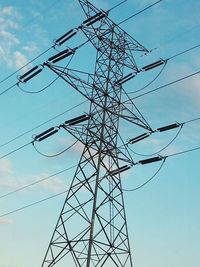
(175,37)
(152,81)
(32,142)
(183,152)
(57,154)
(166,60)
(45,51)
(31,76)
(42,124)
(192,120)
(164,159)
(148,181)
(28,63)
(117,5)
(183,52)
(32,92)
(37,182)
(15,150)
(39,91)
(47,86)
(33,204)
(8,89)
(163,86)
(55,174)
(139,12)
(148,155)
(40,201)
(134,189)
(176,136)
(38,56)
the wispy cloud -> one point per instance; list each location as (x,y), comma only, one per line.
(8,38)
(9,11)
(54,185)
(5,167)
(19,59)
(9,181)
(8,24)
(12,53)
(30,47)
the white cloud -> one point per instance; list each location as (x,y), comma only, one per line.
(2,54)
(5,167)
(19,59)
(12,53)
(8,11)
(194,87)
(7,179)
(8,24)
(54,185)
(8,38)
(30,47)
(10,181)
(9,18)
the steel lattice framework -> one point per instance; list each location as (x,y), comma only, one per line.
(92,227)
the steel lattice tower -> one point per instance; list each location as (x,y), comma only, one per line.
(92,227)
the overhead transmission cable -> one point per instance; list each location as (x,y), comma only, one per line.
(42,124)
(25,65)
(21,188)
(8,89)
(61,193)
(165,63)
(36,70)
(54,155)
(33,204)
(45,51)
(148,181)
(37,181)
(38,202)
(17,84)
(117,5)
(32,142)
(139,12)
(192,120)
(55,44)
(48,85)
(161,150)
(163,86)
(54,130)
(183,152)
(15,150)
(152,81)
(183,52)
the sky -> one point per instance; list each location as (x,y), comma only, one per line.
(163,216)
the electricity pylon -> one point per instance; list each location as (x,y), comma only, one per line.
(92,227)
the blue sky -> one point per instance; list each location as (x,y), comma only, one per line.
(164,216)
